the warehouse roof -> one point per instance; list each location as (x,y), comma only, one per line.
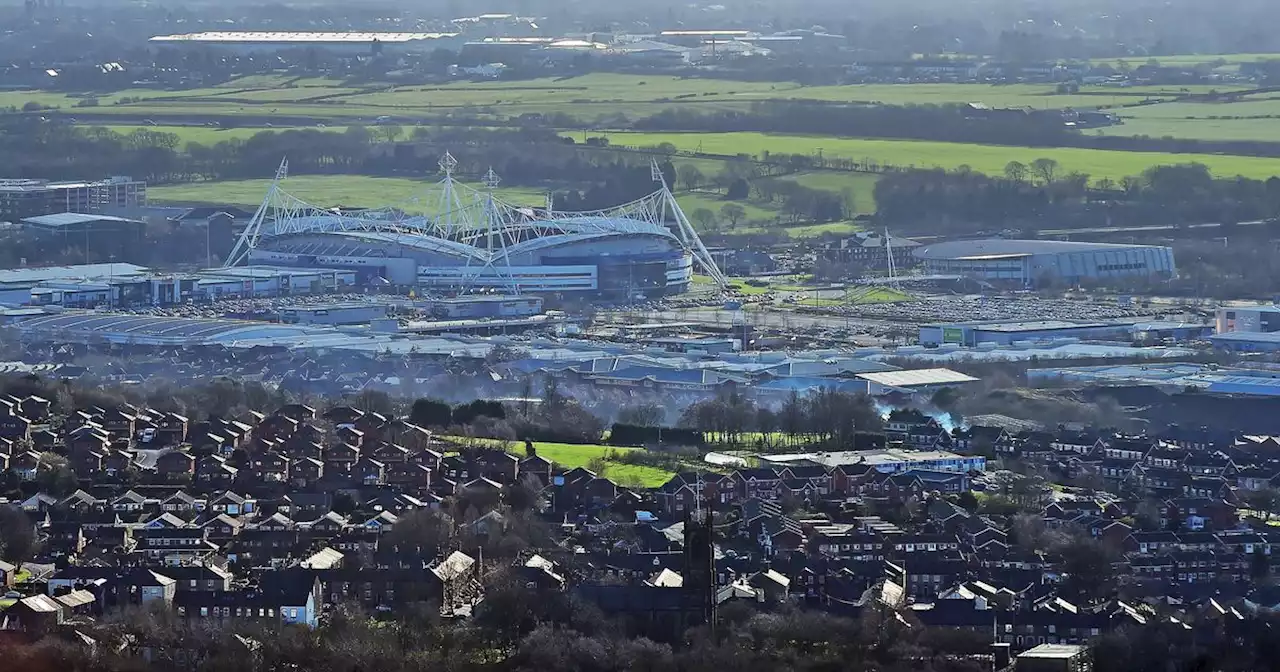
(915,377)
(1248,336)
(298,37)
(20,277)
(1002,247)
(1054,651)
(63,219)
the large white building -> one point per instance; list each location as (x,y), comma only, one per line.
(1035,262)
(248,41)
(1253,319)
(477,242)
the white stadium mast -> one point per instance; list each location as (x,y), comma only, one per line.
(684,230)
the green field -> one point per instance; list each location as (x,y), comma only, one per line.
(574,455)
(861,184)
(207,135)
(357,191)
(990,159)
(1255,118)
(1188,59)
(592,96)
(571,455)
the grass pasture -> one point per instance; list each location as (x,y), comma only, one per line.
(990,159)
(357,191)
(206,135)
(589,96)
(571,455)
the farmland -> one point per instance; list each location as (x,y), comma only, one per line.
(989,159)
(586,97)
(206,135)
(355,191)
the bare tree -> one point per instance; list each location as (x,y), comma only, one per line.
(1046,169)
(732,212)
(1016,171)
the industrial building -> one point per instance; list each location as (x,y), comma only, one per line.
(1055,658)
(914,381)
(248,41)
(642,250)
(1174,377)
(1256,319)
(1007,333)
(21,198)
(334,313)
(481,306)
(120,284)
(103,235)
(890,460)
(1247,341)
(1029,263)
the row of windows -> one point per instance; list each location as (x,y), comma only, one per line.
(1122,267)
(244,612)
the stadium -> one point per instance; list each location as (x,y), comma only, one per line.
(475,242)
(1034,262)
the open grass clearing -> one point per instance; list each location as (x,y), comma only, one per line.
(1243,130)
(990,159)
(358,191)
(575,455)
(862,186)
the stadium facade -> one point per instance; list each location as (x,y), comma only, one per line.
(1035,262)
(475,242)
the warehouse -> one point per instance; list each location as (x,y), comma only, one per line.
(1174,377)
(1247,341)
(889,460)
(1030,263)
(484,306)
(1008,333)
(1255,319)
(915,380)
(334,313)
(249,41)
(19,286)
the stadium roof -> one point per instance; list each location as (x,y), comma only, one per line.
(911,378)
(232,37)
(64,219)
(1005,248)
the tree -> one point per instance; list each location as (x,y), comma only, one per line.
(704,217)
(1265,500)
(738,190)
(1046,169)
(690,176)
(55,476)
(425,529)
(732,212)
(1016,171)
(1087,564)
(17,535)
(430,413)
(647,414)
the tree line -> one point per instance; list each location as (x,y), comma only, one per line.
(1043,194)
